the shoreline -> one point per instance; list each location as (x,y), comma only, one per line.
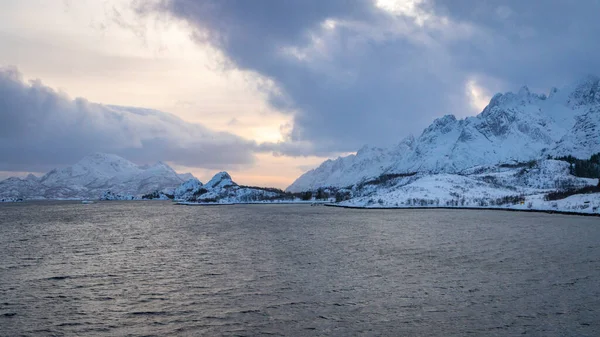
(183,203)
(547,211)
(329,204)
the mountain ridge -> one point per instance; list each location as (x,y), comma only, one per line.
(93,176)
(513,127)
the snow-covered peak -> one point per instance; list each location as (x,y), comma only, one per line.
(100,158)
(92,169)
(31,177)
(502,103)
(186,176)
(92,176)
(524,91)
(407,142)
(369,150)
(222,189)
(161,167)
(221,179)
(512,128)
(369,162)
(585,92)
(187,189)
(494,102)
(442,125)
(104,163)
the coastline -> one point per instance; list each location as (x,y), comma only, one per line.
(184,203)
(329,204)
(547,211)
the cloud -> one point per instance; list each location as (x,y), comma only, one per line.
(540,44)
(360,71)
(41,129)
(335,68)
(479,98)
(289,148)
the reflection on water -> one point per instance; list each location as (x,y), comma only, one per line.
(156,269)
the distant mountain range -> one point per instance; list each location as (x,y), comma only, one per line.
(523,150)
(110,177)
(92,177)
(513,128)
(221,188)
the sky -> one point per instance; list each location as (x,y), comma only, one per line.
(265,89)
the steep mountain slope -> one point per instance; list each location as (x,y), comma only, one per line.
(187,190)
(512,128)
(92,177)
(524,186)
(157,177)
(345,171)
(222,189)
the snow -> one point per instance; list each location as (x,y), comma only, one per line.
(512,128)
(222,189)
(91,177)
(368,162)
(497,187)
(91,169)
(186,190)
(108,195)
(498,158)
(579,203)
(220,180)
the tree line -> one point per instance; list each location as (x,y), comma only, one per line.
(585,168)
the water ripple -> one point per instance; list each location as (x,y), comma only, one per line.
(155,269)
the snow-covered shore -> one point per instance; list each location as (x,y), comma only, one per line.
(573,205)
(524,187)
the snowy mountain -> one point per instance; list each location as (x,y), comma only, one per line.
(185,176)
(15,188)
(513,128)
(94,176)
(222,189)
(523,186)
(187,190)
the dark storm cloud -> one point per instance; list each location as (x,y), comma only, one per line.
(541,43)
(376,76)
(359,92)
(41,129)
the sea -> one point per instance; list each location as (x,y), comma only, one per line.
(153,268)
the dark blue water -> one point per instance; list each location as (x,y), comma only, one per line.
(156,269)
